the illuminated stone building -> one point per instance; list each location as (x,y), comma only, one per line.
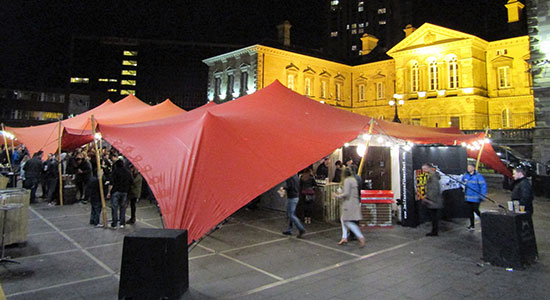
(444,77)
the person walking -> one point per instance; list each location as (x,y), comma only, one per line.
(351,208)
(475,189)
(433,200)
(120,184)
(292,193)
(135,192)
(307,182)
(522,190)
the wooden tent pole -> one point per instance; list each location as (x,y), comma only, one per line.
(482,146)
(60,164)
(99,175)
(6,146)
(360,169)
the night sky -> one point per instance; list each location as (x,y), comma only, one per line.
(35,35)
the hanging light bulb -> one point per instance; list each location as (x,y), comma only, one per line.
(361,149)
(366,136)
(346,145)
(97,136)
(380,139)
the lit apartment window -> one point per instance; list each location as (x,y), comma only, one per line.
(130,53)
(361,30)
(453,73)
(360,8)
(379,90)
(334,34)
(112,90)
(361,92)
(504,77)
(432,75)
(414,77)
(129,72)
(323,89)
(113,80)
(102,79)
(80,80)
(334,2)
(129,63)
(290,81)
(127,92)
(353,26)
(230,84)
(382,10)
(307,86)
(353,47)
(354,31)
(127,82)
(347,27)
(338,91)
(361,25)
(382,22)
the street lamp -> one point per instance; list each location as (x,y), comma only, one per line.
(395,104)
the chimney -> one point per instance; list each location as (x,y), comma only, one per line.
(284,33)
(369,43)
(514,8)
(408,30)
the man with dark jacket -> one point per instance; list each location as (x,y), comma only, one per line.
(522,191)
(52,179)
(292,193)
(433,200)
(121,181)
(33,170)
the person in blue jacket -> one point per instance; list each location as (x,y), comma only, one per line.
(475,189)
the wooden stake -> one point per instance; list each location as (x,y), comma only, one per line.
(99,175)
(482,146)
(371,125)
(6,146)
(59,164)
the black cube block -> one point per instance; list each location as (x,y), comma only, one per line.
(508,239)
(154,264)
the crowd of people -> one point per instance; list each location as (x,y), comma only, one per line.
(122,182)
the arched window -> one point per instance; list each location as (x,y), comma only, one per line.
(338,91)
(323,89)
(506,122)
(307,86)
(453,73)
(361,92)
(414,77)
(290,81)
(432,73)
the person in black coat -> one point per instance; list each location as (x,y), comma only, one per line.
(121,181)
(33,171)
(94,196)
(522,191)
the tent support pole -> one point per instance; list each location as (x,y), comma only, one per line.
(360,169)
(482,146)
(60,164)
(6,147)
(99,175)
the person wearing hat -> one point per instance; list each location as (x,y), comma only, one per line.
(432,199)
(475,189)
(522,191)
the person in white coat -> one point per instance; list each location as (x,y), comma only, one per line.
(351,208)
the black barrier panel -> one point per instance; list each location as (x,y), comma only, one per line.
(155,265)
(508,239)
(449,159)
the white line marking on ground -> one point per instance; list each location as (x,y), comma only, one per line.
(57,285)
(328,247)
(46,254)
(147,223)
(77,245)
(251,266)
(206,248)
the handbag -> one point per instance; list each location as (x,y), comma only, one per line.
(308,191)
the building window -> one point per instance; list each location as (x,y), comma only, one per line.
(323,89)
(353,47)
(230,84)
(80,80)
(433,75)
(361,25)
(129,72)
(290,81)
(361,30)
(129,53)
(354,31)
(127,92)
(338,91)
(506,118)
(334,34)
(103,80)
(361,92)
(455,122)
(244,82)
(416,121)
(504,77)
(307,85)
(414,77)
(502,51)
(379,90)
(112,90)
(382,22)
(353,26)
(217,86)
(128,82)
(360,8)
(334,2)
(129,62)
(453,73)
(382,10)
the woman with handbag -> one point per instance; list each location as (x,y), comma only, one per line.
(307,182)
(350,209)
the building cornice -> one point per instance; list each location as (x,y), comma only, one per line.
(247,50)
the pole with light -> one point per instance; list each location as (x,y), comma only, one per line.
(395,103)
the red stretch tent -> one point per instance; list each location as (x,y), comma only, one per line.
(206,164)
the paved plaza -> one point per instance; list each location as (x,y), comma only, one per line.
(249,258)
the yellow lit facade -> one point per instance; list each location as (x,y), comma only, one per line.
(445,77)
